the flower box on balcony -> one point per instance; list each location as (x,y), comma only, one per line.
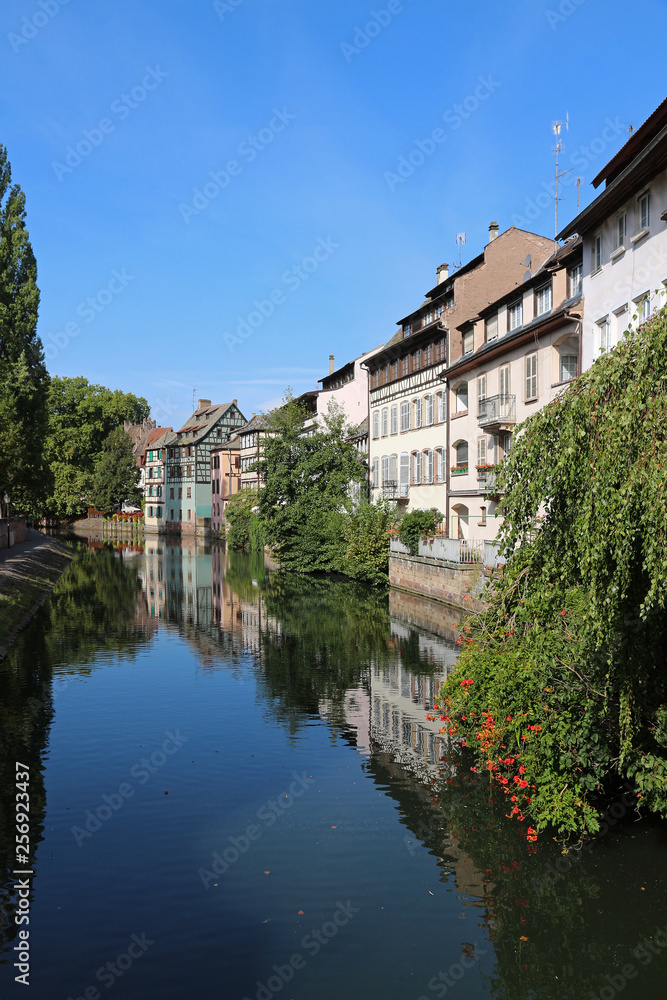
(459,470)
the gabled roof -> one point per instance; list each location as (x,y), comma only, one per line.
(257,422)
(638,141)
(202,421)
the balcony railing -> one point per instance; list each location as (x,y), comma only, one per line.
(496,410)
(393,490)
(486,478)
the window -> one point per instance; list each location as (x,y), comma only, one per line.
(492,328)
(416,360)
(189,514)
(376,425)
(385,469)
(468,342)
(603,334)
(531,376)
(418,412)
(385,422)
(482,515)
(405,416)
(159,473)
(375,379)
(180,492)
(574,278)
(376,473)
(643,211)
(596,262)
(404,474)
(428,317)
(481,451)
(621,231)
(417,468)
(506,440)
(189,493)
(428,466)
(158,511)
(481,391)
(428,355)
(405,365)
(439,465)
(189,472)
(407,329)
(440,349)
(440,398)
(180,515)
(171,492)
(543,300)
(504,382)
(461,450)
(643,306)
(394,420)
(158,492)
(568,367)
(515,316)
(393,470)
(462,397)
(429,410)
(150,456)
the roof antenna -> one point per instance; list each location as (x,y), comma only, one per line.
(578,181)
(460,240)
(557,127)
(193,399)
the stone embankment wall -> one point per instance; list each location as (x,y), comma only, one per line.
(13,530)
(458,584)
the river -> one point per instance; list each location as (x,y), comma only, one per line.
(236,792)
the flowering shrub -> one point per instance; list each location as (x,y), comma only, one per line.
(416,525)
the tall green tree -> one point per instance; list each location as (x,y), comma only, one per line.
(115,474)
(308,480)
(24,379)
(81,417)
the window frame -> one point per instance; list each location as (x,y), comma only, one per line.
(514,310)
(393,419)
(543,290)
(530,378)
(405,416)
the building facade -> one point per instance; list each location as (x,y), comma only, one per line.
(188,505)
(155,478)
(225,479)
(525,349)
(624,233)
(251,436)
(408,405)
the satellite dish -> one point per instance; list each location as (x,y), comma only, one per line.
(527,276)
(527,261)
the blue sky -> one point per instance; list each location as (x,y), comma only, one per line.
(306,240)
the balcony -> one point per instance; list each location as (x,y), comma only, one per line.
(496,411)
(393,490)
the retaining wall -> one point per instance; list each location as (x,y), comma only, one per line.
(456,584)
(12,531)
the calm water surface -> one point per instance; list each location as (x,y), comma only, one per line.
(236,793)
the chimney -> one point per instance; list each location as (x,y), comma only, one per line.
(493,230)
(332,366)
(442,273)
(235,402)
(203,403)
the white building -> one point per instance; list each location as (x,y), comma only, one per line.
(624,233)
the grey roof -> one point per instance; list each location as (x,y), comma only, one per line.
(202,421)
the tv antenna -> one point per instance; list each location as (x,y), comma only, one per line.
(460,240)
(557,129)
(194,392)
(578,183)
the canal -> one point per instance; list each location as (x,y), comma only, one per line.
(236,792)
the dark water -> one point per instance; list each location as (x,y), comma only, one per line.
(235,792)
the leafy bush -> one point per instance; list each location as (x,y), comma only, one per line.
(244,533)
(416,524)
(366,532)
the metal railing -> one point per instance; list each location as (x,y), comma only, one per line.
(467,551)
(496,409)
(393,490)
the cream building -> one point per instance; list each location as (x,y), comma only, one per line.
(523,350)
(624,233)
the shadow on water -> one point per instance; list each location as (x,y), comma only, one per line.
(557,927)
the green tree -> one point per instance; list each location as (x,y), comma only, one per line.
(308,479)
(571,650)
(366,531)
(81,417)
(415,525)
(115,474)
(244,525)
(23,376)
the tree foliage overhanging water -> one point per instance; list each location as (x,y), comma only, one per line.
(563,682)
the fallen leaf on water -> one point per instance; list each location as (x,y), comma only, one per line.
(300,913)
(267,873)
(523,938)
(334,827)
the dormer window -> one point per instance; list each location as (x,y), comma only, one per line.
(515,315)
(407,329)
(543,300)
